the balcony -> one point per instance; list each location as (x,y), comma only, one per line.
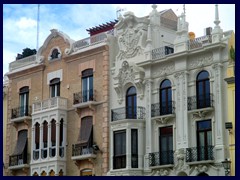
(90,41)
(22,63)
(161,52)
(199,42)
(21,113)
(128,113)
(84,99)
(161,158)
(80,152)
(201,153)
(18,161)
(199,106)
(50,104)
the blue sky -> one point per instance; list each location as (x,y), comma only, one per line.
(20,21)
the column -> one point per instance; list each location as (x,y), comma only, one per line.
(57,138)
(128,148)
(41,140)
(33,142)
(49,139)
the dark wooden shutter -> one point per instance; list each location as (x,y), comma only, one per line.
(53,131)
(61,132)
(45,131)
(37,133)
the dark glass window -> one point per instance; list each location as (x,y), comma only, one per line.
(45,134)
(61,132)
(55,54)
(55,87)
(53,132)
(134,148)
(87,85)
(204,139)
(166,145)
(37,134)
(24,98)
(165,97)
(131,103)
(203,90)
(119,158)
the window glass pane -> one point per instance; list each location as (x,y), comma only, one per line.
(201,139)
(209,138)
(123,145)
(166,83)
(204,125)
(170,143)
(169,94)
(163,97)
(200,89)
(52,91)
(131,90)
(203,75)
(163,144)
(85,89)
(58,89)
(207,87)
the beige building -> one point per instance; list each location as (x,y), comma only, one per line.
(58,108)
(5,91)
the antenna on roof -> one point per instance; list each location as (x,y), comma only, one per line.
(38,20)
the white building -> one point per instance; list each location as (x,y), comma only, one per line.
(167,95)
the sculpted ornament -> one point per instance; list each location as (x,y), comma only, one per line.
(130,41)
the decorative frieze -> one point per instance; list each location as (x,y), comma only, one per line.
(200,61)
(164,70)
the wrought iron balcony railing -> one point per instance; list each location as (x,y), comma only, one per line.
(161,158)
(199,42)
(162,52)
(201,153)
(84,96)
(78,150)
(158,110)
(17,160)
(199,102)
(21,112)
(128,113)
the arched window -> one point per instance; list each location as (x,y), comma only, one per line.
(53,138)
(55,87)
(24,96)
(87,85)
(203,90)
(37,134)
(55,54)
(61,148)
(165,97)
(131,103)
(45,139)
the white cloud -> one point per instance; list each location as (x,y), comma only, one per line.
(26,23)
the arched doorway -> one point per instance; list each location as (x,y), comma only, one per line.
(182,174)
(202,174)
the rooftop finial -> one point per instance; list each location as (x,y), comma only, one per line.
(216,22)
(184,9)
(154,6)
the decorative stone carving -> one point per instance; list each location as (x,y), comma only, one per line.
(132,35)
(201,168)
(164,70)
(200,61)
(180,164)
(129,74)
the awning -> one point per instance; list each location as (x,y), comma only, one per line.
(21,142)
(85,131)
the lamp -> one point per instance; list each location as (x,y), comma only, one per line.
(226,164)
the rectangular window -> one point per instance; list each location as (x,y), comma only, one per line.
(119,158)
(166,145)
(87,88)
(24,104)
(204,140)
(55,90)
(134,148)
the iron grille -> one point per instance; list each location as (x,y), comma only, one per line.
(161,158)
(157,110)
(201,153)
(128,113)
